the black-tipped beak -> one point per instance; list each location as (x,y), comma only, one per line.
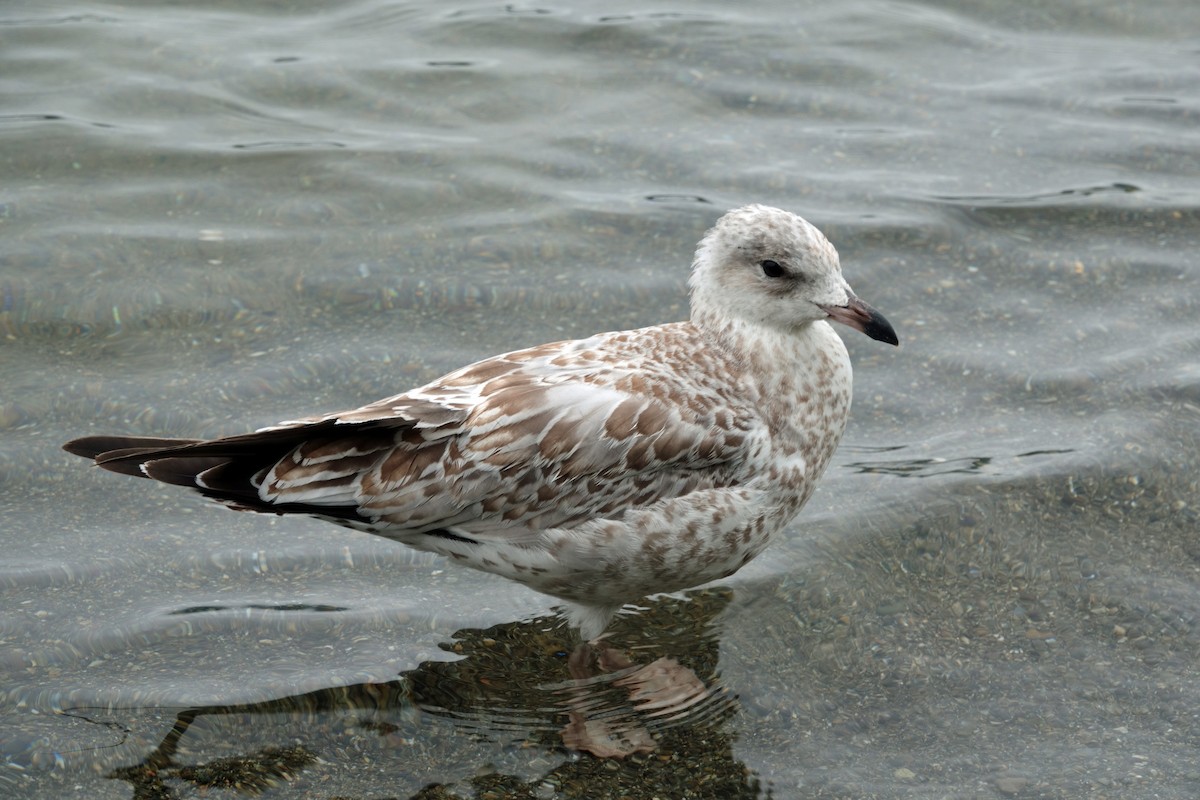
(862,317)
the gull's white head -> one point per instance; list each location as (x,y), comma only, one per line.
(769,267)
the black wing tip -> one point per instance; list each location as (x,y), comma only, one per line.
(97,447)
(125,455)
(85,447)
(213,468)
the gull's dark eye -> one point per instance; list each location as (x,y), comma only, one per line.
(771,268)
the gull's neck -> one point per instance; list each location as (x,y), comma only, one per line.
(800,377)
(768,349)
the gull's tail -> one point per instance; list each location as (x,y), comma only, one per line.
(229,470)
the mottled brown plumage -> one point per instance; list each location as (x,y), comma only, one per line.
(598,470)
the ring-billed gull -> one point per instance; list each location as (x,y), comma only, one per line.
(598,470)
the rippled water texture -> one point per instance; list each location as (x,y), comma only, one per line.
(216,217)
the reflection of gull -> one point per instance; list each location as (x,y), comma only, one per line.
(506,683)
(599,470)
(508,691)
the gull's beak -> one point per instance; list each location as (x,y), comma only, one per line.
(862,317)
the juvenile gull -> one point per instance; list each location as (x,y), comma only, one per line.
(598,470)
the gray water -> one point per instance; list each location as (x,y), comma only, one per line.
(216,217)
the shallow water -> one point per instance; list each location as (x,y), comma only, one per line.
(216,219)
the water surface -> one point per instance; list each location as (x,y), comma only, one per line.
(217,218)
